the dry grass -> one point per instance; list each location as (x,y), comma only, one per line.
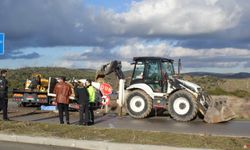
(218,86)
(231,85)
(122,135)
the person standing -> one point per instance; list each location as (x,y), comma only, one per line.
(4,94)
(83,99)
(63,92)
(91,91)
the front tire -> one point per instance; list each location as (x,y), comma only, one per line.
(139,104)
(182,106)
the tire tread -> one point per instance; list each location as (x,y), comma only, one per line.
(191,115)
(148,101)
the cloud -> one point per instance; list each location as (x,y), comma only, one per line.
(90,54)
(91,57)
(19,55)
(247,64)
(204,33)
(179,17)
(208,53)
(137,48)
(162,48)
(65,64)
(192,58)
(48,23)
(203,65)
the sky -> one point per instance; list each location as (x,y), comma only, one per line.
(207,35)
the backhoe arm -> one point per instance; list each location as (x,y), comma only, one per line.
(113,66)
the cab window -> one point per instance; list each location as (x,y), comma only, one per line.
(168,68)
(153,71)
(139,70)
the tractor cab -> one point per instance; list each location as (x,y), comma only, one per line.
(153,71)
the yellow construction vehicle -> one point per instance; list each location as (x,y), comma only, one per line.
(34,91)
(36,83)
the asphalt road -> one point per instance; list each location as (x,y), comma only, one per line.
(166,124)
(157,123)
(21,146)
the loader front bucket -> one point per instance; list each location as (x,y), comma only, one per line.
(218,111)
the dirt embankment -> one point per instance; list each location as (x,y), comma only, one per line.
(241,106)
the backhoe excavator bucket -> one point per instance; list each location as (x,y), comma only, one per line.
(99,76)
(218,111)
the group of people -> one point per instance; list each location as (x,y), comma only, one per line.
(85,93)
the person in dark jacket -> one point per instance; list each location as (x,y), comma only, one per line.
(4,94)
(83,99)
(63,92)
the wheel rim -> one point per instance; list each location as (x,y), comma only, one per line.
(181,106)
(137,104)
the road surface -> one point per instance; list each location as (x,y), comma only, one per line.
(158,123)
(166,124)
(21,146)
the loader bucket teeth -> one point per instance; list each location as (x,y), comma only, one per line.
(218,111)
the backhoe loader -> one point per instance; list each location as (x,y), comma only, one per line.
(154,84)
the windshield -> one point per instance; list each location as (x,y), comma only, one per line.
(168,68)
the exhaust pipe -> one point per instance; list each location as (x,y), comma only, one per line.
(179,67)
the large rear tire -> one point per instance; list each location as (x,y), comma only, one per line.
(139,104)
(182,106)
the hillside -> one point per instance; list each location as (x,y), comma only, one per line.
(211,82)
(17,77)
(239,75)
(222,86)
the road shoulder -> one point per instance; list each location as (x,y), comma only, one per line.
(84,144)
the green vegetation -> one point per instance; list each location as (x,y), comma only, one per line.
(207,82)
(238,93)
(122,135)
(18,77)
(218,91)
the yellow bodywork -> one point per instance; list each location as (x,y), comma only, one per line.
(42,87)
